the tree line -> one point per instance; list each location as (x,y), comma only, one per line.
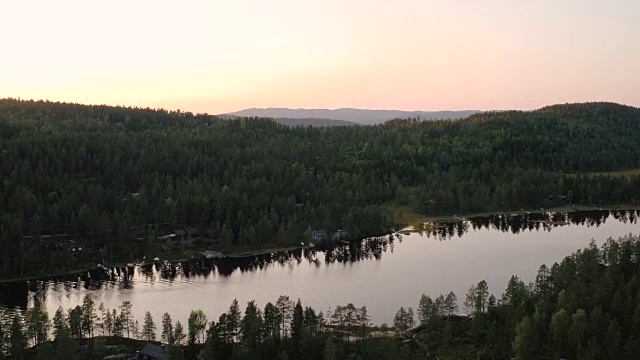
(283,328)
(114,179)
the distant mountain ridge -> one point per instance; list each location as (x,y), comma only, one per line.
(300,121)
(360,116)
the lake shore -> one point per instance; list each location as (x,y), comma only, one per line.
(417,219)
(183,257)
(405,216)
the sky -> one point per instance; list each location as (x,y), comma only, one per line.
(221,56)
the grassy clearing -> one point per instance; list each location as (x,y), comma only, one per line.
(615,174)
(405,215)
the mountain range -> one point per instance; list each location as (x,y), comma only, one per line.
(345,116)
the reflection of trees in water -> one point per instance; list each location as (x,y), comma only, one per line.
(17,294)
(354,251)
(531,222)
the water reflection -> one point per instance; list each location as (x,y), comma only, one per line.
(17,294)
(529,222)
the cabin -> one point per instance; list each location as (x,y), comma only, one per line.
(153,352)
(318,236)
(76,248)
(340,235)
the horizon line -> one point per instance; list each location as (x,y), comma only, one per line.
(301,108)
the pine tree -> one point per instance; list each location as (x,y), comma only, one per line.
(126,318)
(425,309)
(88,316)
(135,330)
(251,326)
(297,321)
(167,329)
(285,307)
(234,318)
(37,324)
(178,334)
(451,302)
(100,324)
(118,324)
(148,328)
(17,339)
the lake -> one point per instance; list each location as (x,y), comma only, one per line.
(382,274)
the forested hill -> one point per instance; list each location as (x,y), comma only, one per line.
(302,121)
(116,178)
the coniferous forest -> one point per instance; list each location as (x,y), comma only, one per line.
(83,185)
(320,180)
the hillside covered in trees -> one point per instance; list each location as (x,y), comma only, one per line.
(585,307)
(111,180)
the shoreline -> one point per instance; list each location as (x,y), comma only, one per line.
(241,253)
(244,253)
(561,209)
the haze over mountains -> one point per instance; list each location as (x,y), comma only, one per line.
(346,116)
(300,121)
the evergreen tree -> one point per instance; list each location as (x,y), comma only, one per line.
(126,318)
(481,298)
(297,321)
(285,308)
(167,329)
(17,339)
(37,324)
(89,316)
(251,326)
(178,334)
(425,310)
(234,317)
(148,328)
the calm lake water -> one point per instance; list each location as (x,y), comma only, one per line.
(381,273)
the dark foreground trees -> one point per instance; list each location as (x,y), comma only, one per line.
(586,307)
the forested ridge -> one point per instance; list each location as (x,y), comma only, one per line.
(114,178)
(584,307)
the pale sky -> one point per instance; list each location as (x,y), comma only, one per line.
(221,56)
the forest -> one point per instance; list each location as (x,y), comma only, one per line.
(85,185)
(585,307)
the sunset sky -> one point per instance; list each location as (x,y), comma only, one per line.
(222,56)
